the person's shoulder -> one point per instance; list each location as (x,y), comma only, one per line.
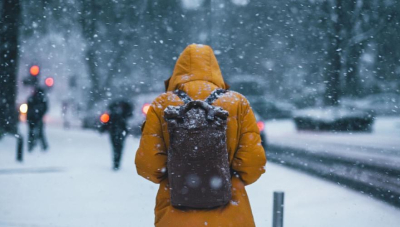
(235,96)
(161,100)
(234,93)
(165,97)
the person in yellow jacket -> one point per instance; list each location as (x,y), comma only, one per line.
(197,73)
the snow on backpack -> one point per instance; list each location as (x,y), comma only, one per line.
(198,166)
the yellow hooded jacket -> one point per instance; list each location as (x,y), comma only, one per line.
(197,73)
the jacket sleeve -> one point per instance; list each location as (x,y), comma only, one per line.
(151,156)
(249,159)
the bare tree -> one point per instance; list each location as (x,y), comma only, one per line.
(334,33)
(9,24)
(89,22)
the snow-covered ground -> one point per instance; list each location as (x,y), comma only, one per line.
(72,185)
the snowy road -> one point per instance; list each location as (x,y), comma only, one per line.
(368,162)
(72,185)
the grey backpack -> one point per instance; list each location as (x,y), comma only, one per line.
(198,165)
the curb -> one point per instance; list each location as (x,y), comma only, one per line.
(378,180)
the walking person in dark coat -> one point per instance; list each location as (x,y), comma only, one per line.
(119,112)
(37,108)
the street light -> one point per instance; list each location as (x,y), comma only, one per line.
(23,108)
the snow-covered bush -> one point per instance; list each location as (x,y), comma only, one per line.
(377,104)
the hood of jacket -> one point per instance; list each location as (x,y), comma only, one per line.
(197,62)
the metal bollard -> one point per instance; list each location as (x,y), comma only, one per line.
(277,214)
(20,147)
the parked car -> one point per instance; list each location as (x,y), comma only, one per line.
(141,104)
(253,88)
(261,127)
(378,104)
(91,118)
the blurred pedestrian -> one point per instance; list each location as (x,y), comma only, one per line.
(180,127)
(37,108)
(119,112)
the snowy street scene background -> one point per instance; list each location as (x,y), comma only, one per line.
(322,77)
(72,185)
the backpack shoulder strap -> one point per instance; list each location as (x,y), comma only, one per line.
(182,95)
(214,95)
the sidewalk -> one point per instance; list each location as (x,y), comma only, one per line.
(72,185)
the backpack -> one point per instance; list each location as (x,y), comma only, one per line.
(198,165)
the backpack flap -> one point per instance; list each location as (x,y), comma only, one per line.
(214,115)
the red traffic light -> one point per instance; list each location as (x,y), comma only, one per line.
(104,118)
(49,81)
(34,70)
